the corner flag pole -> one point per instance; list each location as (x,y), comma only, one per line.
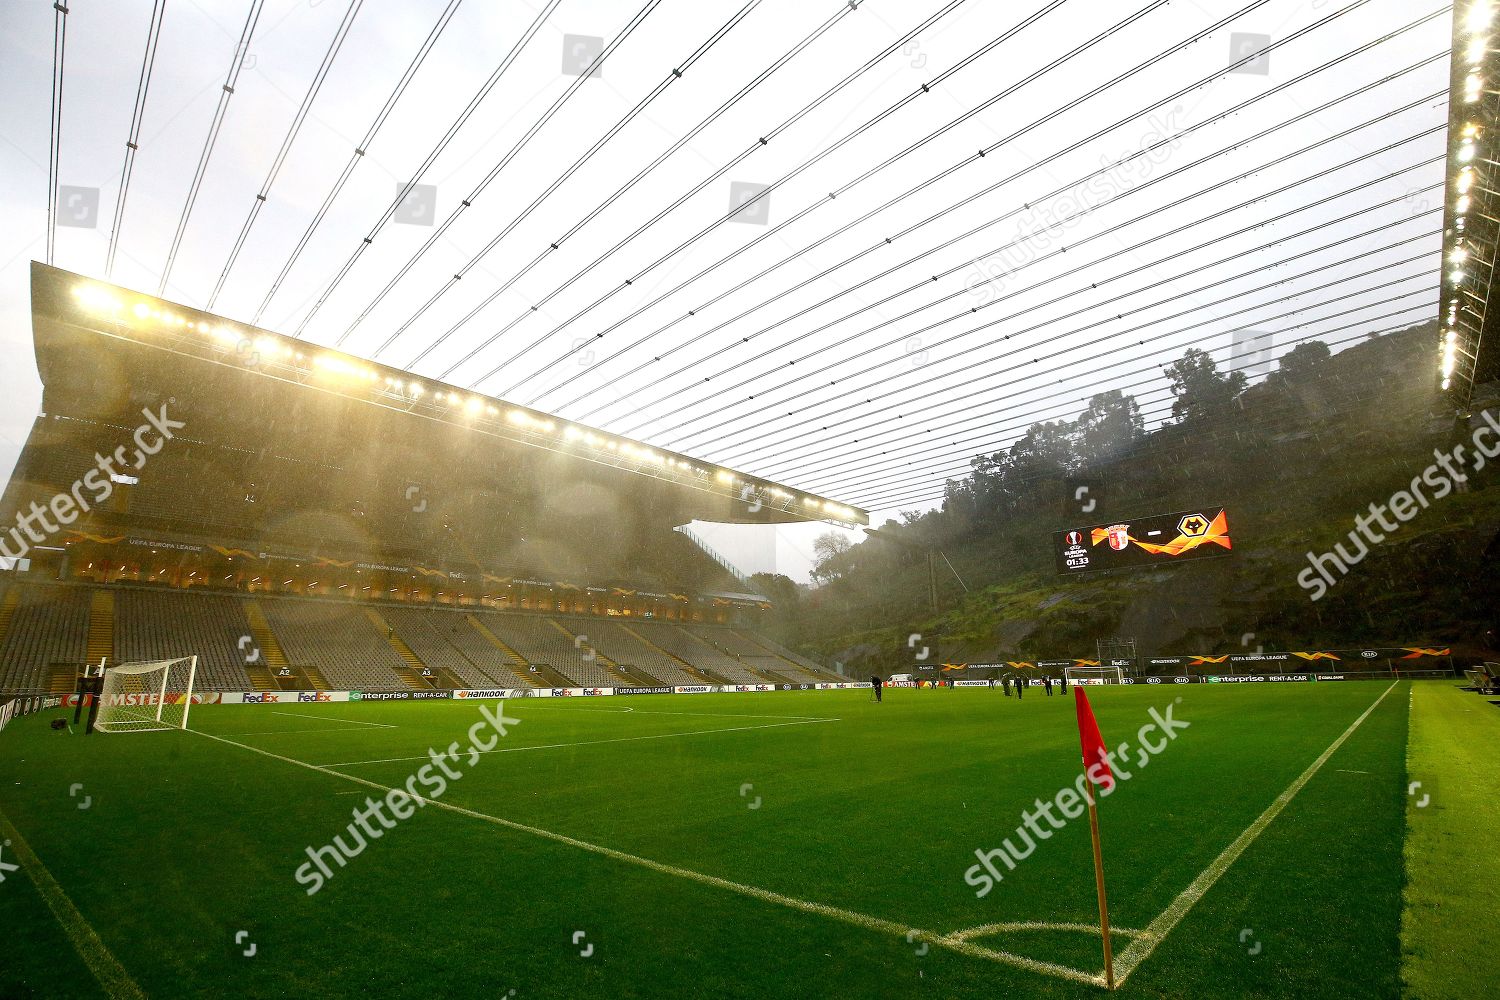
(1109,957)
(1096,774)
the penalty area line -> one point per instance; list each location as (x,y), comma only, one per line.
(106,969)
(329,718)
(862,920)
(1141,948)
(296,732)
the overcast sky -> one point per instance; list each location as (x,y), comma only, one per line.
(859,393)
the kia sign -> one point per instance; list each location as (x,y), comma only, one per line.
(1162,539)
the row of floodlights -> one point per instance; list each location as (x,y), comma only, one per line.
(263,347)
(1476,22)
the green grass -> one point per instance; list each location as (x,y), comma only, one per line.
(189,840)
(1452,894)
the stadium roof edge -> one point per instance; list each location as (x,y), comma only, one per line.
(1469,344)
(84,303)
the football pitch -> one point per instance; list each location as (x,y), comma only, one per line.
(789,844)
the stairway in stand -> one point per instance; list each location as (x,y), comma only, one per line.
(101,640)
(271,664)
(517,664)
(416,675)
(687,667)
(609,666)
(8,604)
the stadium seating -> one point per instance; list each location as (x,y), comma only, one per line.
(622,644)
(435,637)
(339,640)
(682,643)
(807,666)
(496,662)
(48,627)
(755,656)
(161,625)
(540,639)
(345,645)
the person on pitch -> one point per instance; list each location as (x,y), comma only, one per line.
(1020,687)
(875,684)
(1047,683)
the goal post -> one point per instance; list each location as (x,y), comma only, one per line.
(142,697)
(1095,675)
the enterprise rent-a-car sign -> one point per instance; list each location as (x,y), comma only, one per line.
(1148,541)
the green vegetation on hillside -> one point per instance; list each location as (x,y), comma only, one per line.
(1294,458)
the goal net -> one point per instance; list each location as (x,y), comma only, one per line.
(1095,675)
(139,697)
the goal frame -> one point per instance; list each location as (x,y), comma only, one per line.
(1108,675)
(105,724)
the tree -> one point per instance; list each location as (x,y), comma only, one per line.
(1108,427)
(1046,449)
(1200,390)
(782,591)
(831,544)
(1301,363)
(829,548)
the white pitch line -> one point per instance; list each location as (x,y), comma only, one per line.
(329,718)
(706,715)
(106,969)
(1010,927)
(1141,948)
(297,732)
(736,715)
(754,892)
(588,743)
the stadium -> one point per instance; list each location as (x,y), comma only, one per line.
(688,612)
(413,495)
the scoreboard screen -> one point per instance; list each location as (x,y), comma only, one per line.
(1163,539)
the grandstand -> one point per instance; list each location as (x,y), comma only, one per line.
(435,640)
(543,641)
(755,655)
(152,625)
(43,626)
(338,642)
(625,645)
(302,519)
(680,643)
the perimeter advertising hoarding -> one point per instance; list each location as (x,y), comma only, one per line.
(1162,539)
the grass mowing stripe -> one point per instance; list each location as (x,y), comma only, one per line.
(106,969)
(1449,820)
(588,743)
(1141,949)
(950,942)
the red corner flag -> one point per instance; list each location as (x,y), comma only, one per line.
(1095,753)
(1097,772)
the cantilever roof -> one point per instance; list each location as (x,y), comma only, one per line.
(63,301)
